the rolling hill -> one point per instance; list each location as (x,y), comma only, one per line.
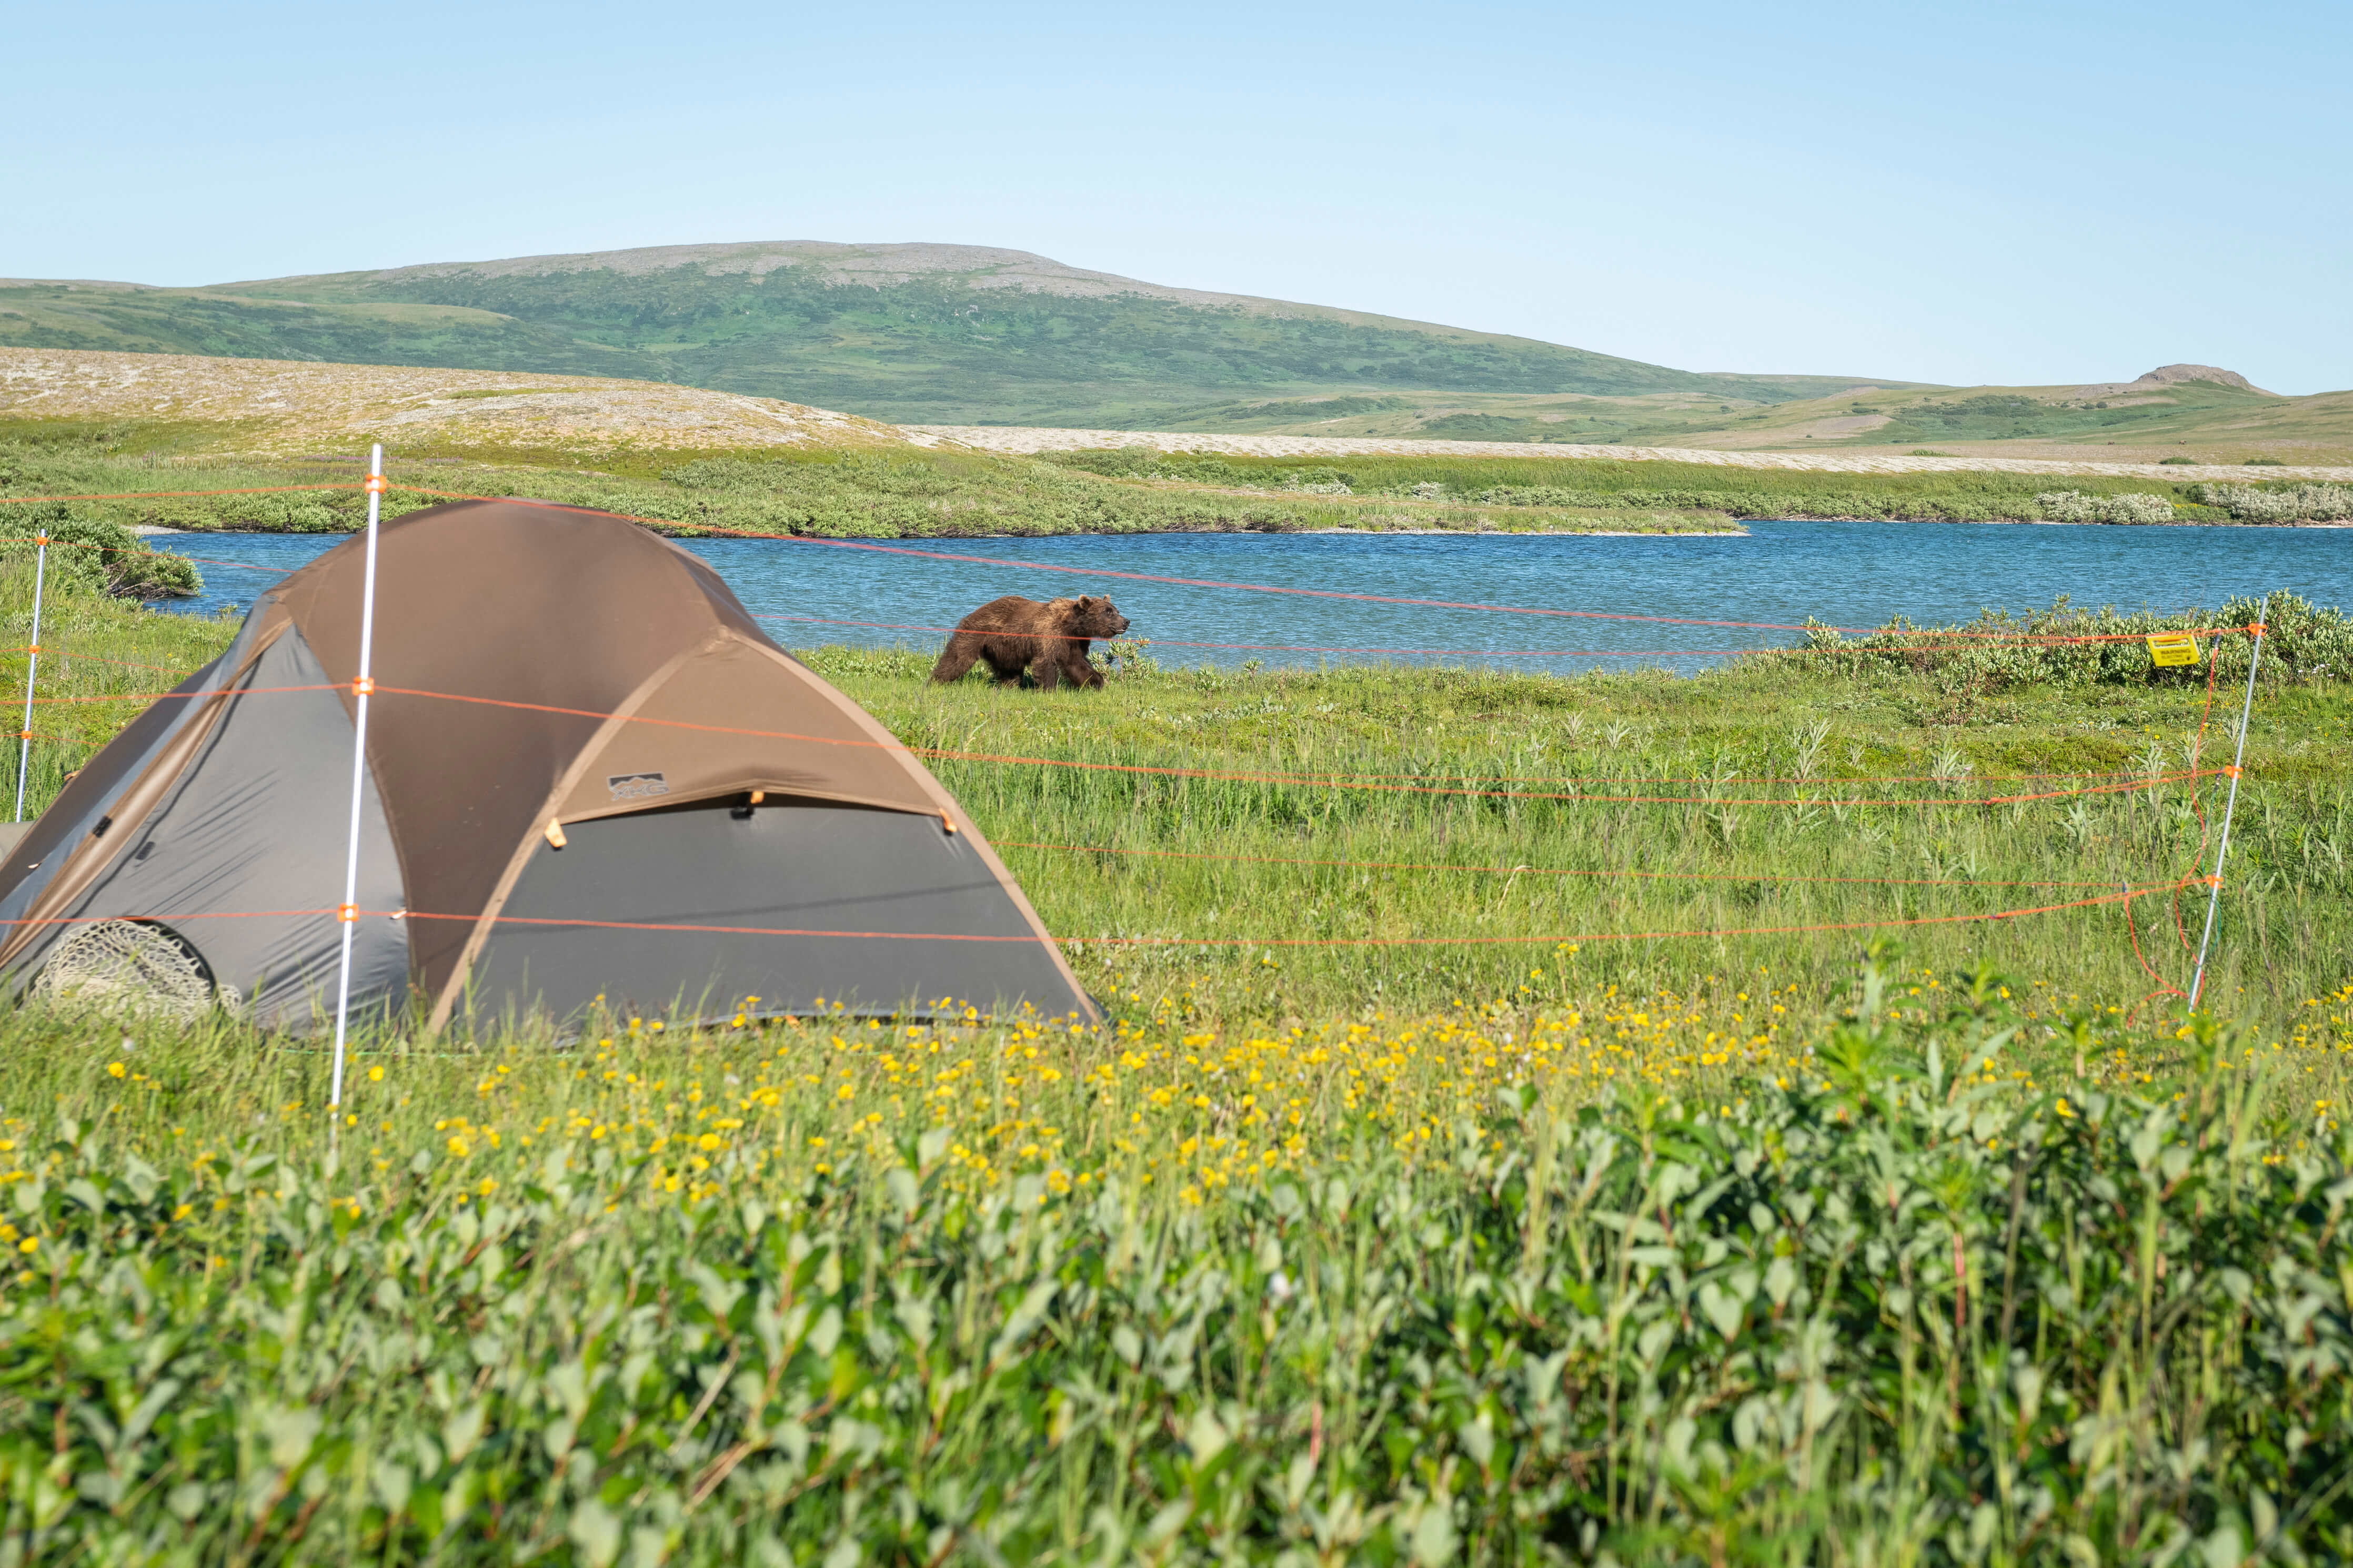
(965,335)
(2190,411)
(903,332)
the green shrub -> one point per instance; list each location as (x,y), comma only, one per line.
(2302,643)
(93,555)
(2288,503)
(2076,506)
(1131,462)
(1895,1308)
(1319,481)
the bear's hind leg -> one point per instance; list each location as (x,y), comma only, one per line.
(956,658)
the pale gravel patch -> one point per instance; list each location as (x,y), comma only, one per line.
(297,406)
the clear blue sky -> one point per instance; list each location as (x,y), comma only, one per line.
(2025,194)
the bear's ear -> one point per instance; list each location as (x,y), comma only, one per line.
(1085,599)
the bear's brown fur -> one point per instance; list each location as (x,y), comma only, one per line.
(1014,635)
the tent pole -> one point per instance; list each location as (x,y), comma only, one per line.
(347,912)
(25,735)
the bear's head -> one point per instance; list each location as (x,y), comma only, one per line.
(1093,616)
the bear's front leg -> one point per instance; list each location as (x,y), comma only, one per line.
(1047,671)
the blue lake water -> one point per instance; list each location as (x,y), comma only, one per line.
(1846,574)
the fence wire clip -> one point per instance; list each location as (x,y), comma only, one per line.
(2211,881)
(364,687)
(347,913)
(2257,630)
(2231,770)
(32,647)
(40,539)
(377,485)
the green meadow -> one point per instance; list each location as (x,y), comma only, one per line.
(1638,1225)
(918,493)
(907,493)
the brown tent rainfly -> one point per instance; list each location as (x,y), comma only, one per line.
(619,788)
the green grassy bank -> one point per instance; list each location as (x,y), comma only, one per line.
(914,494)
(1760,492)
(1258,842)
(1610,811)
(947,494)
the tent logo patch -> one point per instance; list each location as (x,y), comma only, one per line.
(636,787)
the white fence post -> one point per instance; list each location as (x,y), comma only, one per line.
(347,912)
(25,735)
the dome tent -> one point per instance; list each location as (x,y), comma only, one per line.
(577,733)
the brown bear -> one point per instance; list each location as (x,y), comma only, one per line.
(1049,641)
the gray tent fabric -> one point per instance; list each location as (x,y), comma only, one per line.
(577,733)
(931,923)
(258,825)
(41,852)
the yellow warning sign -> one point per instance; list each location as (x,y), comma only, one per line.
(2172,648)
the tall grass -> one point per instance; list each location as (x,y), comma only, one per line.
(949,494)
(1625,810)
(1569,1283)
(1781,1247)
(1190,834)
(913,494)
(101,662)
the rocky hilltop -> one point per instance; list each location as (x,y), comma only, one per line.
(2167,375)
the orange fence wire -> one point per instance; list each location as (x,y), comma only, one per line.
(162,495)
(720,531)
(1536,870)
(2085,785)
(696,529)
(2122,896)
(2126,895)
(1309,648)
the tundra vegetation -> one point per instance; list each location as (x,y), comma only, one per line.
(930,335)
(919,347)
(919,493)
(1872,1243)
(911,493)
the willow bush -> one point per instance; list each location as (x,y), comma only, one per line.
(1887,1306)
(2080,506)
(2303,643)
(2279,503)
(89,554)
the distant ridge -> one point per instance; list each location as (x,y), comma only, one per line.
(873,265)
(940,335)
(952,333)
